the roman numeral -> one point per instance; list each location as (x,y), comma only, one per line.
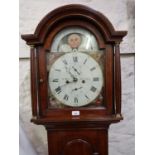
(75,100)
(55,80)
(86,96)
(58,90)
(95,79)
(93,89)
(93,68)
(65,62)
(66,97)
(75,59)
(85,61)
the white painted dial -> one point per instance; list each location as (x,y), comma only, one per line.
(75,79)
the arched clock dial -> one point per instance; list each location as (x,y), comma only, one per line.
(75,79)
(61,42)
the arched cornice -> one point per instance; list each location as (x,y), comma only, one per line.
(74,11)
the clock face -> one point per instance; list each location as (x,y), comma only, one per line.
(75,78)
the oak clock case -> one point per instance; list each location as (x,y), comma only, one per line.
(75,79)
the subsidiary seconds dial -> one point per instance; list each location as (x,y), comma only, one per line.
(75,79)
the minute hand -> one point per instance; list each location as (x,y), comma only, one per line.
(68,71)
(70,82)
(75,89)
(72,75)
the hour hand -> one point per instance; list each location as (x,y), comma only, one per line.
(76,70)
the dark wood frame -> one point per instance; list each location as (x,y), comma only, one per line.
(40,42)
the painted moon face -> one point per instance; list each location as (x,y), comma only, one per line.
(74,37)
(74,40)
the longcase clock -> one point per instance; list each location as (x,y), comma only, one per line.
(75,79)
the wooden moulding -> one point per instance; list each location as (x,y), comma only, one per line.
(117,77)
(78,123)
(33,81)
